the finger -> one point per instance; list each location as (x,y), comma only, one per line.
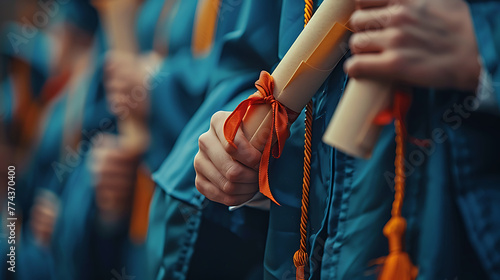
(41,226)
(39,229)
(40,219)
(231,184)
(245,153)
(367,42)
(45,213)
(365,4)
(384,66)
(117,85)
(42,233)
(212,151)
(116,58)
(210,191)
(115,155)
(107,140)
(116,169)
(371,19)
(116,183)
(101,169)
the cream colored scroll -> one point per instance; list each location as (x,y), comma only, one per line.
(351,129)
(118,17)
(306,65)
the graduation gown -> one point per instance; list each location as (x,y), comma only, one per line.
(190,237)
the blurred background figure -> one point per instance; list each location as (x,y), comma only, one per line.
(90,107)
(94,95)
(49,53)
(52,105)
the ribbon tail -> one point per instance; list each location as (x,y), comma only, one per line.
(264,187)
(281,128)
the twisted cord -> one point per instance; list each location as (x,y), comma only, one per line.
(300,257)
(399,180)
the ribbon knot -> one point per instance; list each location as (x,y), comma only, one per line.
(282,118)
(269,99)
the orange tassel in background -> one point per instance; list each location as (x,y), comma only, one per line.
(397,265)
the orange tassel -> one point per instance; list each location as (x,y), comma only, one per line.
(300,259)
(397,265)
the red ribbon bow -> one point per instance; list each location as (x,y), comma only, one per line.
(282,117)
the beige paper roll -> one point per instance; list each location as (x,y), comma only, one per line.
(351,129)
(118,17)
(306,65)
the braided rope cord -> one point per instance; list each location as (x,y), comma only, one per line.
(300,257)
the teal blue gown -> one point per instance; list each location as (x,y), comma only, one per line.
(33,260)
(87,252)
(82,250)
(190,237)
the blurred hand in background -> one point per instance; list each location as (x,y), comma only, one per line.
(114,170)
(128,83)
(44,215)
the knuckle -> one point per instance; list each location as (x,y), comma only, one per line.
(395,62)
(353,43)
(353,68)
(199,184)
(254,160)
(396,37)
(401,15)
(216,117)
(196,162)
(357,42)
(356,20)
(228,148)
(202,141)
(228,188)
(233,172)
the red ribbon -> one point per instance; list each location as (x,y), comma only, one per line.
(282,117)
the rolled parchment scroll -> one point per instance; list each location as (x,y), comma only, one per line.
(306,65)
(352,129)
(118,17)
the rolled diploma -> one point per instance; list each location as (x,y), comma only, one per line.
(351,129)
(304,68)
(118,18)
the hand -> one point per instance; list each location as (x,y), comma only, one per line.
(43,217)
(114,171)
(127,82)
(224,174)
(424,43)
